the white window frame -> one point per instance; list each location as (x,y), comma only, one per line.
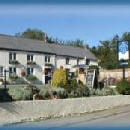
(14,70)
(31,69)
(47,58)
(67,60)
(1,71)
(12,56)
(31,57)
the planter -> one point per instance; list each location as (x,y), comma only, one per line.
(14,62)
(31,63)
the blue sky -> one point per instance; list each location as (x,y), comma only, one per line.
(90,21)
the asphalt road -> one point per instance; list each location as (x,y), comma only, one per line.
(117,117)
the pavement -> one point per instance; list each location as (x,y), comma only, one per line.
(117,117)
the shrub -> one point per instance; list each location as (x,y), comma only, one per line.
(48,92)
(123,87)
(60,92)
(73,89)
(4,96)
(102,92)
(59,77)
(20,93)
(31,78)
(70,85)
(13,77)
(45,93)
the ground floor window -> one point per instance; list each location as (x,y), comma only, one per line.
(1,71)
(12,70)
(30,71)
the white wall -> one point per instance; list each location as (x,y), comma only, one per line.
(21,57)
(61,61)
(56,61)
(92,62)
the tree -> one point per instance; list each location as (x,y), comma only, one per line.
(76,43)
(33,34)
(106,52)
(126,36)
(59,78)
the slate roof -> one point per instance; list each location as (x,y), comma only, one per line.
(24,44)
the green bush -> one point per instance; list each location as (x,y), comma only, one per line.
(123,87)
(60,92)
(13,77)
(45,93)
(48,92)
(102,92)
(31,78)
(20,93)
(73,89)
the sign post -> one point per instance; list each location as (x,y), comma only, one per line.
(123,54)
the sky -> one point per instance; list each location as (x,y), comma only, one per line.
(88,20)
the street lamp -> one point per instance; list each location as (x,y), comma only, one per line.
(5,71)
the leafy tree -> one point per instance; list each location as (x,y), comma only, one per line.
(76,43)
(40,35)
(126,36)
(33,34)
(106,52)
(59,78)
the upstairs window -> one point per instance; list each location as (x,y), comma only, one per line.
(67,61)
(77,61)
(87,61)
(30,71)
(1,71)
(12,56)
(30,57)
(12,70)
(47,59)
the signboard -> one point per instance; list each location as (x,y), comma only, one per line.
(123,50)
(90,78)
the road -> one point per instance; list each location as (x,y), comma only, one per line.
(117,117)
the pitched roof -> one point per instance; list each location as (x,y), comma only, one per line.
(24,44)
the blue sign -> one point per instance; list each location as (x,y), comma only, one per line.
(123,50)
(123,47)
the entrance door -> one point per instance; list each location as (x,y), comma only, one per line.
(48,75)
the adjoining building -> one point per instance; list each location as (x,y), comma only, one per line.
(37,58)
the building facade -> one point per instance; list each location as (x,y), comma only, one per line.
(33,57)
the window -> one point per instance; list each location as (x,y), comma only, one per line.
(67,61)
(30,57)
(77,61)
(47,58)
(87,61)
(1,71)
(12,70)
(12,56)
(29,71)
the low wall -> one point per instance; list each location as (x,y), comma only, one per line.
(116,73)
(16,111)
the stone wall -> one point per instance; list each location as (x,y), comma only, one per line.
(116,73)
(16,111)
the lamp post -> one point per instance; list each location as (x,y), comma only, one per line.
(5,71)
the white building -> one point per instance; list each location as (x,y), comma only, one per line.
(37,58)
